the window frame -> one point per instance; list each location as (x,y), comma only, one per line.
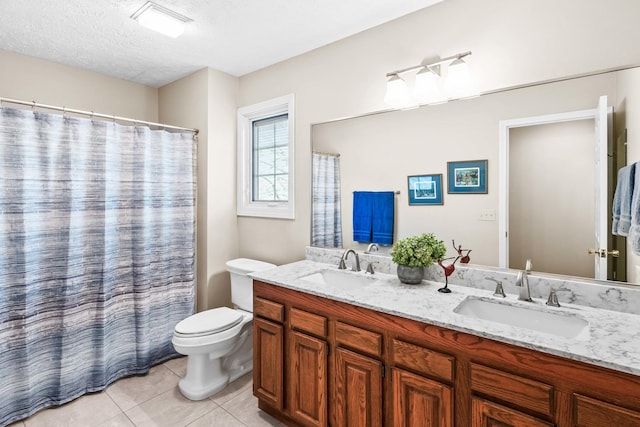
(246,206)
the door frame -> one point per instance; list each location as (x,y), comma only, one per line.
(503,160)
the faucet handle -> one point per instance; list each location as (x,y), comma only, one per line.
(370,269)
(342,265)
(499,291)
(553,299)
(528,266)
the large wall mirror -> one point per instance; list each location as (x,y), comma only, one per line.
(378,152)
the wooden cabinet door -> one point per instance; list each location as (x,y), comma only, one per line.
(595,413)
(358,390)
(418,401)
(488,414)
(307,381)
(268,362)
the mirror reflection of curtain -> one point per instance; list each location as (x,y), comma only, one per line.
(326,218)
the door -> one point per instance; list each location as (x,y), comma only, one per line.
(602,210)
(420,402)
(358,394)
(488,414)
(267,353)
(587,179)
(307,379)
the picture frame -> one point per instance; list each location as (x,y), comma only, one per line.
(467,177)
(425,189)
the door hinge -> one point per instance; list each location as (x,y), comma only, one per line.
(383,371)
(625,135)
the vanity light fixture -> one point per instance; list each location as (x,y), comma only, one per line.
(431,87)
(161,19)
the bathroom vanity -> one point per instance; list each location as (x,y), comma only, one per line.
(368,351)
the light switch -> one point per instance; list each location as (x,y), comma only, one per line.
(487,215)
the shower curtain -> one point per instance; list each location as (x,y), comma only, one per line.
(326,219)
(97,253)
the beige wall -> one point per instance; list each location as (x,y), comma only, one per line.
(512,43)
(31,79)
(378,152)
(207,100)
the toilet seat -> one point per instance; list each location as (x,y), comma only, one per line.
(208,322)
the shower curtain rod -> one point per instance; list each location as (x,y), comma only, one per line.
(34,104)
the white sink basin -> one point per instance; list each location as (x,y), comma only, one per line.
(537,318)
(340,278)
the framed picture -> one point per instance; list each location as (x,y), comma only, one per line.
(467,177)
(425,189)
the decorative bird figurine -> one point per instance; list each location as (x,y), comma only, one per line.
(464,259)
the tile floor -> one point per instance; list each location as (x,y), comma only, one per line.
(154,400)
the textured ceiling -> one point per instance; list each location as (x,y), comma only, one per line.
(234,36)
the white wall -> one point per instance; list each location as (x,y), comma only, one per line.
(513,42)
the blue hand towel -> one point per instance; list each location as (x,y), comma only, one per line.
(622,201)
(383,206)
(362,216)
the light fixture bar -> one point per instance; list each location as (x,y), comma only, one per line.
(430,65)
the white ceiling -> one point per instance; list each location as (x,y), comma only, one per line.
(234,36)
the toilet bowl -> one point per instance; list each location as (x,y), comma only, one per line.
(218,342)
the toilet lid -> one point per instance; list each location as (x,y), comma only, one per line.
(209,322)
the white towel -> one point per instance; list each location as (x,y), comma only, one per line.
(622,201)
(634,231)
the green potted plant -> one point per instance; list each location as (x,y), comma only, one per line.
(414,253)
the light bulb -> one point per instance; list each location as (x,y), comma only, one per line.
(459,83)
(397,92)
(428,88)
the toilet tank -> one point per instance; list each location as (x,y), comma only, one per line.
(241,284)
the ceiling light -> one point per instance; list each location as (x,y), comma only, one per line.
(429,85)
(161,19)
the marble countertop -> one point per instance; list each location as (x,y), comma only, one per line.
(612,339)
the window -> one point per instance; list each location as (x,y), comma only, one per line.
(265,159)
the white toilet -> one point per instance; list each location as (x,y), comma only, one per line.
(219,342)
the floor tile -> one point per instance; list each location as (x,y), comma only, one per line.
(169,409)
(244,406)
(88,410)
(131,391)
(16,424)
(232,390)
(117,421)
(219,418)
(178,366)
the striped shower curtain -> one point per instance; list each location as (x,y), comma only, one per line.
(326,218)
(97,232)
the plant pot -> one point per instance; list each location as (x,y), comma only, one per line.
(410,275)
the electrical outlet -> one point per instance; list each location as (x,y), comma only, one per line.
(487,215)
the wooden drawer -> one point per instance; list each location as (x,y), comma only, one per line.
(595,413)
(523,392)
(268,309)
(359,339)
(423,360)
(308,322)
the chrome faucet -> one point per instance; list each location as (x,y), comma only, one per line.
(371,247)
(523,282)
(343,266)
